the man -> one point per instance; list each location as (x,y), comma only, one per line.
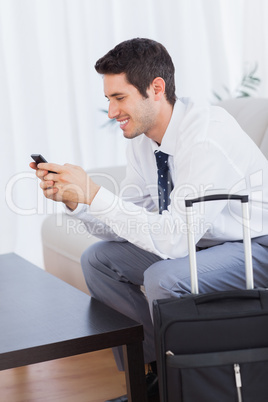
(144,229)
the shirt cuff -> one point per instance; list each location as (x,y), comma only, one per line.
(77,211)
(103,202)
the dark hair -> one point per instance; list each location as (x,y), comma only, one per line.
(142,60)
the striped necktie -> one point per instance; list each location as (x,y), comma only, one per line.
(165,184)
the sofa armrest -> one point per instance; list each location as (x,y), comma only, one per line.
(64,238)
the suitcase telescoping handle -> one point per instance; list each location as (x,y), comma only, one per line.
(246,236)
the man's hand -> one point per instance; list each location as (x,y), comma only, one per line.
(69,184)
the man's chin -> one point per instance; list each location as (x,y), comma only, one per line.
(130,135)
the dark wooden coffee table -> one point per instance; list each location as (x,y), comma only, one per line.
(43,318)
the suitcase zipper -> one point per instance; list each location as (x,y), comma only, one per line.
(169,353)
(238,381)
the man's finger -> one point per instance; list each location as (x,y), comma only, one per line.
(33,165)
(46,184)
(52,167)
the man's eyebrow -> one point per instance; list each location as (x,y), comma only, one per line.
(114,94)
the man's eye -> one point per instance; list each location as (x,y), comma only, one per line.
(120,98)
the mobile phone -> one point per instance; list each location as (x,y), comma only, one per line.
(38,158)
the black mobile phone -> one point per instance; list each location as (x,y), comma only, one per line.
(38,158)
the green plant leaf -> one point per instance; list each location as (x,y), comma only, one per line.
(248,83)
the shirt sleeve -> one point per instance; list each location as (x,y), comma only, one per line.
(93,225)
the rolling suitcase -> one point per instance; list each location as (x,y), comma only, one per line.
(213,347)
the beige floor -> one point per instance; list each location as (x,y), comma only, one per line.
(91,377)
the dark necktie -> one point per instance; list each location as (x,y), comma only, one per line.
(165,184)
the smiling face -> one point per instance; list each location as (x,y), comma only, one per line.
(135,114)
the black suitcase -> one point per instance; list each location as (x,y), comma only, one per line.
(213,347)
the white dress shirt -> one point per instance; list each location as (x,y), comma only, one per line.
(208,152)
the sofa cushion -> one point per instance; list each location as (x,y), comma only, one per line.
(252,115)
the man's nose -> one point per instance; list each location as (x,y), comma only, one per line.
(113,111)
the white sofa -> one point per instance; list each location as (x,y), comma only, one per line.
(64,238)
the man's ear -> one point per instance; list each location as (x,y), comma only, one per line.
(159,87)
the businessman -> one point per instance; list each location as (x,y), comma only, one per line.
(176,148)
